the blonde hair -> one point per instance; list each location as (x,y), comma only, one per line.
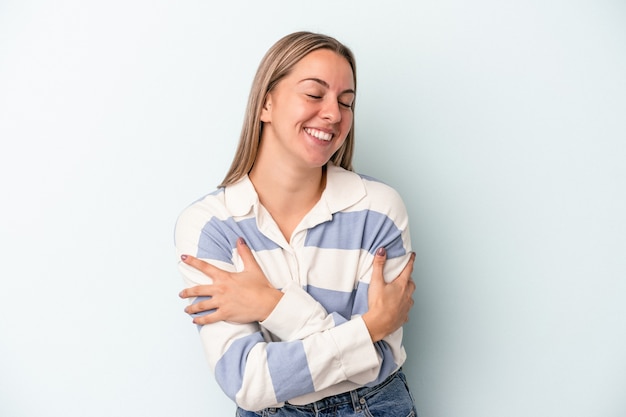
(275,65)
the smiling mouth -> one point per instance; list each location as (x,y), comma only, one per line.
(319,134)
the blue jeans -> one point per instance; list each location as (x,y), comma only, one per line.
(390,398)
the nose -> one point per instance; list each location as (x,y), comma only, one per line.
(331,110)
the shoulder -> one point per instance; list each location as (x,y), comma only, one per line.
(342,178)
(364,192)
(378,189)
(205,206)
(193,217)
(383,198)
(235,200)
(379,193)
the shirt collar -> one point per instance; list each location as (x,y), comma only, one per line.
(240,197)
(343,189)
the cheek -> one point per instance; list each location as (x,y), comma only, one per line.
(344,134)
(346,122)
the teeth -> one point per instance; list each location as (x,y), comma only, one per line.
(319,134)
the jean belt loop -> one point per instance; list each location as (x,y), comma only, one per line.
(354,396)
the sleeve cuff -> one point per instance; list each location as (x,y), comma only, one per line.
(357,352)
(297,315)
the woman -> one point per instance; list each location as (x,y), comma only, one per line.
(286,278)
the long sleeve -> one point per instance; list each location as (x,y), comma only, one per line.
(257,372)
(314,343)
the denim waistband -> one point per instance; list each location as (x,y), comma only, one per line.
(356,397)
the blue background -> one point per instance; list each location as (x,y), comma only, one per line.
(501,123)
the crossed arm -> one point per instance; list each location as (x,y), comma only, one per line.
(247,296)
(307,354)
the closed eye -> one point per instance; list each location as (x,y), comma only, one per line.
(315,97)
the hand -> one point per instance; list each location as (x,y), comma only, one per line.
(240,297)
(389,304)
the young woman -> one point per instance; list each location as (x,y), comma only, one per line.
(285,263)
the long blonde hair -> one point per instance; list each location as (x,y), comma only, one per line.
(276,64)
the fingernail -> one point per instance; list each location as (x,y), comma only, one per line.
(181,294)
(242,241)
(381,252)
(183,257)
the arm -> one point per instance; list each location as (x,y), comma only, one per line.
(241,297)
(252,367)
(247,296)
(388,304)
(256,372)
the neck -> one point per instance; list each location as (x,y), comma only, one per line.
(286,192)
(282,186)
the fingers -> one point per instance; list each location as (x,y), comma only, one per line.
(205,309)
(246,255)
(206,268)
(211,318)
(198,291)
(381,257)
(202,305)
(214,272)
(378,264)
(408,269)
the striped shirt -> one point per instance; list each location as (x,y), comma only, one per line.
(314,343)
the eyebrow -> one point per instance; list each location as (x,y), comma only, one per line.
(325,84)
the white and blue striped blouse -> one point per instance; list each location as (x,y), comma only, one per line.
(314,344)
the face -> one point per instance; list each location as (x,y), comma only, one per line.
(308,114)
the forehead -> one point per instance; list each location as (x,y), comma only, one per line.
(326,65)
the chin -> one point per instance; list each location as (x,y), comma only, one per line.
(319,163)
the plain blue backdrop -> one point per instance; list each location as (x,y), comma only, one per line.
(501,123)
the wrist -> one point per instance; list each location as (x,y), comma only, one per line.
(372,327)
(271,298)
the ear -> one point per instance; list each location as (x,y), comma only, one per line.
(266,111)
